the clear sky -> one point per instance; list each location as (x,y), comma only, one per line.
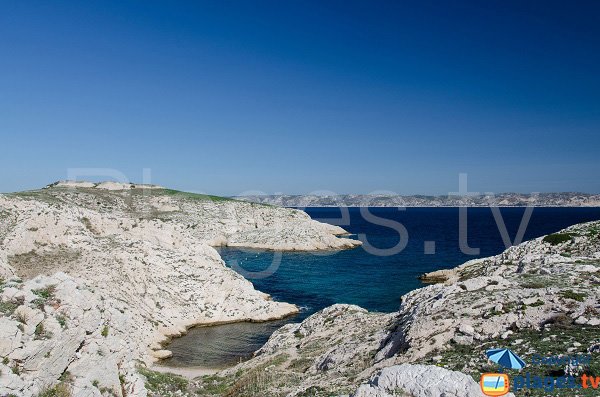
(297,96)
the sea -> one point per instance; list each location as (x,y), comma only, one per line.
(399,245)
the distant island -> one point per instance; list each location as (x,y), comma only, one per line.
(566,199)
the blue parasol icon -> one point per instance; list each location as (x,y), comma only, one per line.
(505,358)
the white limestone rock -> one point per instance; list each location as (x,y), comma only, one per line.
(103,274)
(419,381)
(10,336)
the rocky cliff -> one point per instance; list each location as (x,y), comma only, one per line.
(95,277)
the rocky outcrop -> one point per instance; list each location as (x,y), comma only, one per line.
(419,381)
(98,276)
(524,287)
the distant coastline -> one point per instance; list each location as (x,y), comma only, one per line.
(363,200)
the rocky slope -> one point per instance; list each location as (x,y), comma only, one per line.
(383,200)
(542,296)
(95,277)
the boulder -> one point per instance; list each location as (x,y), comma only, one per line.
(419,381)
(10,336)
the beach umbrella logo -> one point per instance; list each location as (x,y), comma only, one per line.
(505,358)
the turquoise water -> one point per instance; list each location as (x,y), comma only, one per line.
(316,280)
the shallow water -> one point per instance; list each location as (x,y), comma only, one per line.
(316,280)
(220,346)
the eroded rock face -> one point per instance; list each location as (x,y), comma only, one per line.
(97,276)
(66,333)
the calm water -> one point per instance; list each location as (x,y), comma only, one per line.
(316,280)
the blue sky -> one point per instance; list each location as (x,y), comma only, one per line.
(298,96)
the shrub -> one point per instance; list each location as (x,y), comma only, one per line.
(560,320)
(60,390)
(62,320)
(557,238)
(164,383)
(537,303)
(45,293)
(569,294)
(40,332)
(105,331)
(8,308)
(533,285)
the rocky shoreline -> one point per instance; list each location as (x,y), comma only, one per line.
(96,278)
(542,296)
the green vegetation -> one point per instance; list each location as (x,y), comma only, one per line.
(104,331)
(301,364)
(213,385)
(569,294)
(593,231)
(559,337)
(533,284)
(39,303)
(313,391)
(163,383)
(558,238)
(59,390)
(46,293)
(62,320)
(537,303)
(258,381)
(41,333)
(279,359)
(8,308)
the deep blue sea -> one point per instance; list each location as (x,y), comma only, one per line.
(314,280)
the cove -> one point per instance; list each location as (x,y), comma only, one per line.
(313,281)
